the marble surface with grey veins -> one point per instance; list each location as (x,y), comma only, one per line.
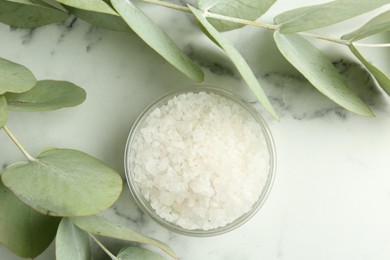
(331,196)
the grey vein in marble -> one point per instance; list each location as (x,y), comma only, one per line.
(66,27)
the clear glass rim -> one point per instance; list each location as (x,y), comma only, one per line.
(144,204)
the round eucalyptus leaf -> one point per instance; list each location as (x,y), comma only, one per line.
(96,12)
(46,95)
(64,182)
(101,226)
(138,253)
(24,231)
(14,77)
(26,14)
(3,111)
(72,243)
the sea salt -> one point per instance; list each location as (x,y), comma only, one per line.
(201,160)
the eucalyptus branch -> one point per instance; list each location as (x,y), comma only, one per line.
(19,145)
(111,255)
(213,15)
(260,24)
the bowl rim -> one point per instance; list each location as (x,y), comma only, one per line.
(143,203)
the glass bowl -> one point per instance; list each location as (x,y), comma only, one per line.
(145,205)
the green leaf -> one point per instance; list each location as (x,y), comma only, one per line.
(317,16)
(238,61)
(101,226)
(378,24)
(382,79)
(64,182)
(72,243)
(96,12)
(26,14)
(15,77)
(46,95)
(320,72)
(148,31)
(138,253)
(50,4)
(245,9)
(96,6)
(3,111)
(201,27)
(101,20)
(24,231)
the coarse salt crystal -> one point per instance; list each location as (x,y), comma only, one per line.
(201,160)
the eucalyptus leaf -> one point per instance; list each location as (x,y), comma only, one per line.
(64,182)
(320,72)
(24,231)
(26,14)
(148,31)
(15,77)
(46,95)
(72,243)
(96,12)
(382,79)
(101,226)
(238,61)
(101,20)
(95,6)
(49,3)
(138,253)
(3,111)
(207,33)
(245,9)
(317,16)
(378,24)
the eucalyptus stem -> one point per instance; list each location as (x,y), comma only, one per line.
(113,257)
(213,15)
(241,21)
(261,24)
(18,144)
(325,38)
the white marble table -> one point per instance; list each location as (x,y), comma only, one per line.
(331,197)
